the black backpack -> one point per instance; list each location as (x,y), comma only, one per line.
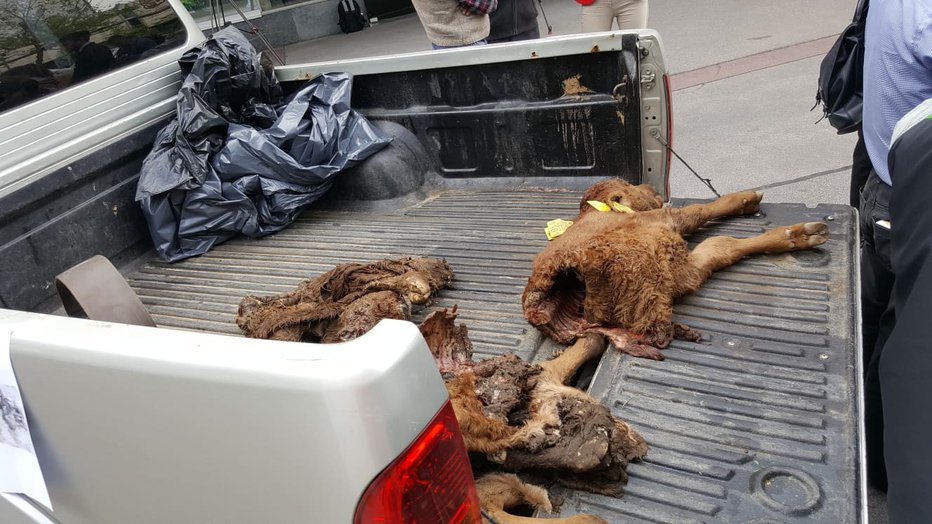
(351,17)
(841,76)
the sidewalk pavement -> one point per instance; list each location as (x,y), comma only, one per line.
(750,130)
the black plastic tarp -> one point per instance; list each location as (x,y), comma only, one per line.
(239,159)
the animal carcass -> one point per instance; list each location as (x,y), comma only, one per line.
(617,273)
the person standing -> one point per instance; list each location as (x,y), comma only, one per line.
(897,77)
(598,15)
(513,20)
(906,361)
(90,58)
(449,23)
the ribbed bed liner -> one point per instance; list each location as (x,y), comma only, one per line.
(758,423)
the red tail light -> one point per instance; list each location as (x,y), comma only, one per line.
(668,93)
(430,483)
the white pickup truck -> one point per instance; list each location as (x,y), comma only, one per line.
(189,422)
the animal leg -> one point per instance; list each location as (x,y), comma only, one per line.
(718,253)
(687,219)
(499,491)
(563,367)
(628,342)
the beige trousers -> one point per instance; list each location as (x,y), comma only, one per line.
(629,14)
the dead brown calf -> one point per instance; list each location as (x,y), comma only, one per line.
(524,417)
(617,274)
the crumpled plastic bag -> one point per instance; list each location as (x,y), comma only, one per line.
(237,160)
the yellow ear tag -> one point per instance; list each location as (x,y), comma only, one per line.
(621,208)
(557,227)
(601,206)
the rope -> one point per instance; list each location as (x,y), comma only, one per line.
(706,181)
(547,22)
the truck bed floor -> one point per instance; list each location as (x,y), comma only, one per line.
(756,423)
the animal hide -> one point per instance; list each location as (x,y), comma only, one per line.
(518,416)
(344,302)
(617,273)
(523,417)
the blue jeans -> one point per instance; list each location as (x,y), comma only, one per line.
(480,42)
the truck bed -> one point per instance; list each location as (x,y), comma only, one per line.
(758,422)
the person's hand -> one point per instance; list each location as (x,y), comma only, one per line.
(465,9)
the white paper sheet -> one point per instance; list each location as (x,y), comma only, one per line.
(19,466)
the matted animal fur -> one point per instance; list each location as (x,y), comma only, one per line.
(618,274)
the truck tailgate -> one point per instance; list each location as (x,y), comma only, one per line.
(756,423)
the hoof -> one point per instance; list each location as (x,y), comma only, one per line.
(804,236)
(684,332)
(746,202)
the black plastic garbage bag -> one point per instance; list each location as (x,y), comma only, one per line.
(234,160)
(223,82)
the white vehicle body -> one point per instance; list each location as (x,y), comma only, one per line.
(137,424)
